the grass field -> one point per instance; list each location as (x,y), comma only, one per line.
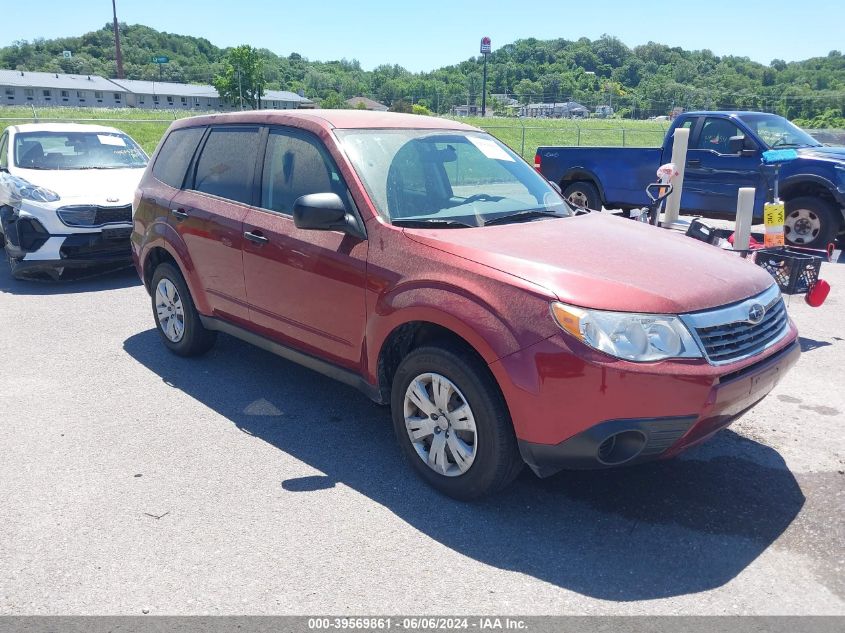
(523,135)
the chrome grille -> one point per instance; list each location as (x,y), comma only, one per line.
(728,334)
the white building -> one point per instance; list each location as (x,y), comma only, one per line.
(22,87)
(284,100)
(156,95)
(51,89)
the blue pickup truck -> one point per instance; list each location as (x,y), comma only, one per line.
(725,153)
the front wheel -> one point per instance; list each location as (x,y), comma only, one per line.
(810,222)
(178,321)
(452,423)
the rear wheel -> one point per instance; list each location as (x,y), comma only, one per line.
(583,195)
(452,423)
(178,321)
(811,222)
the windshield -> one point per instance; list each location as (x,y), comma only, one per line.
(77,150)
(777,132)
(447,178)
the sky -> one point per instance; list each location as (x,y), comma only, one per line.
(429,34)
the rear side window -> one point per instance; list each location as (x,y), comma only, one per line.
(227,163)
(175,154)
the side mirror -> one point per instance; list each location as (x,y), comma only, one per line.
(324,212)
(742,145)
(736,144)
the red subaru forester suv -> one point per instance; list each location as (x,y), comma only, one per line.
(425,263)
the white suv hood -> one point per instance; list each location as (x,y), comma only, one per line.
(106,187)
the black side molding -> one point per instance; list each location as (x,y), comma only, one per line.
(300,358)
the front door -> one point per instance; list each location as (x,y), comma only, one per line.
(714,175)
(305,288)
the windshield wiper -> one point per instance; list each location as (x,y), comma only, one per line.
(429,223)
(524,215)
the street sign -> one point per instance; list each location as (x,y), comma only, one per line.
(67,54)
(161,60)
(486,45)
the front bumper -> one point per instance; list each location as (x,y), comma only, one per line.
(577,410)
(33,249)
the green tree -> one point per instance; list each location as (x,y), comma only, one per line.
(243,75)
(333,101)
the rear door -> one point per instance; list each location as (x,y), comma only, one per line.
(305,288)
(714,174)
(209,212)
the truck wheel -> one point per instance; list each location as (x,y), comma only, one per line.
(178,321)
(583,195)
(810,222)
(452,423)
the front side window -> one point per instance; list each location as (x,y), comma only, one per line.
(46,93)
(462,177)
(227,163)
(295,165)
(716,135)
(175,155)
(77,150)
(98,95)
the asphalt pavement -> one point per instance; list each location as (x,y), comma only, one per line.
(133,481)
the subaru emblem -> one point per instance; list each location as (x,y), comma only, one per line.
(756,313)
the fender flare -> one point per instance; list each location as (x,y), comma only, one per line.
(799,179)
(466,315)
(582,174)
(161,235)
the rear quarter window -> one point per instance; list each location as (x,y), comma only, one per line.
(176,154)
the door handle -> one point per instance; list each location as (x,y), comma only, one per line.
(256,237)
(180,214)
(694,162)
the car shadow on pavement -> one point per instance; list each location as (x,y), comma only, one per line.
(92,281)
(653,531)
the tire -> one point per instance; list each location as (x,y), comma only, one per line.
(583,195)
(811,222)
(487,459)
(179,325)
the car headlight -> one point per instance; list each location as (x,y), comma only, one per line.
(626,335)
(17,189)
(78,216)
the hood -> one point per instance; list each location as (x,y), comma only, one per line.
(824,153)
(608,263)
(108,187)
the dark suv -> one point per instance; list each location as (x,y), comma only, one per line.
(425,263)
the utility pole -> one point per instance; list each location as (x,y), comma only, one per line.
(117,55)
(240,89)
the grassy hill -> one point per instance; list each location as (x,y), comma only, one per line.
(640,81)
